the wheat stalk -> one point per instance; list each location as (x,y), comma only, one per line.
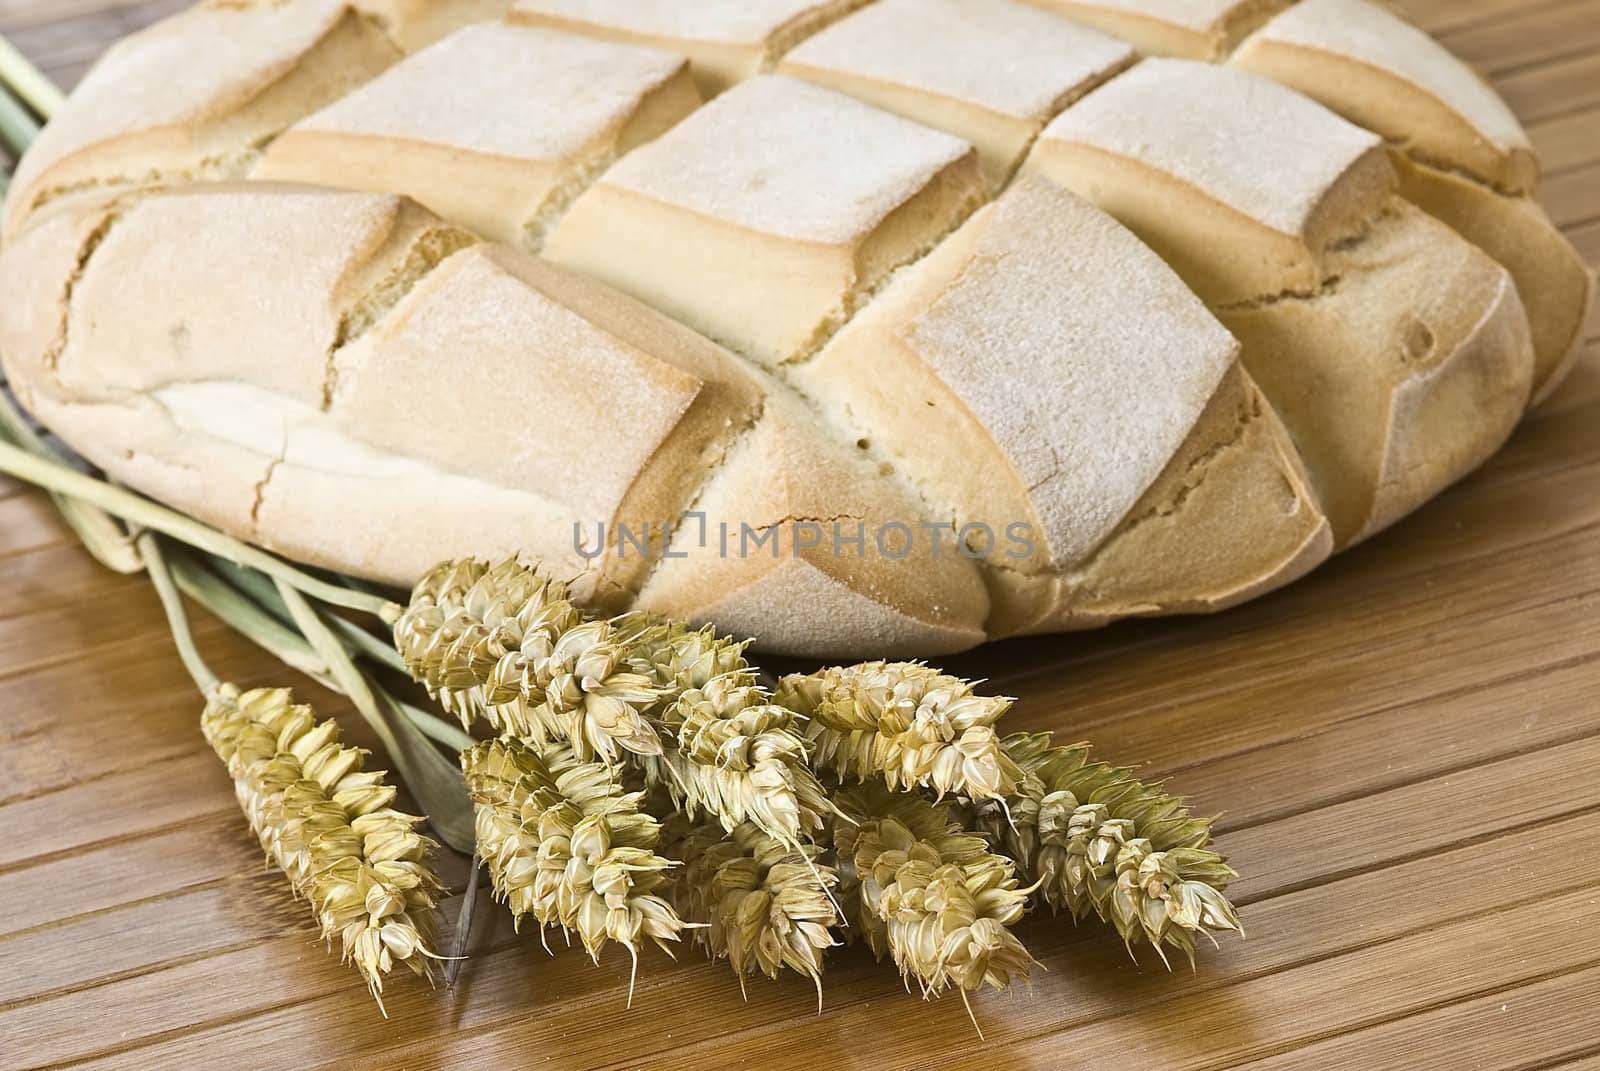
(764,904)
(18,128)
(28,82)
(1096,838)
(331,827)
(904,723)
(567,844)
(142,512)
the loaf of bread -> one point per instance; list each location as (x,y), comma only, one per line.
(858,327)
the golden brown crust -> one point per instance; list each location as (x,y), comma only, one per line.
(416,24)
(1555,284)
(726,41)
(1368,64)
(1363,321)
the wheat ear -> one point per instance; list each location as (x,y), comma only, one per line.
(506,644)
(906,724)
(930,894)
(1097,838)
(567,844)
(682,659)
(765,905)
(331,827)
(739,758)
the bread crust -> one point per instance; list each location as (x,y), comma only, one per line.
(1460,153)
(710,224)
(416,24)
(557,111)
(1188,29)
(727,41)
(855,340)
(1362,319)
(213,85)
(1378,70)
(992,72)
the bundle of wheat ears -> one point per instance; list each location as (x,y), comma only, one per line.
(631,780)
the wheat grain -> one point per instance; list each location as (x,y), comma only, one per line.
(461,621)
(739,758)
(505,643)
(682,659)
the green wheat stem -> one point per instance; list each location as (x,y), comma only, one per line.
(261,589)
(18,128)
(172,603)
(248,619)
(29,83)
(246,616)
(147,514)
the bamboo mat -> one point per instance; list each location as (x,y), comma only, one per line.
(1404,748)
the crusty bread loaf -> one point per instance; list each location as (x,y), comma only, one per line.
(857,327)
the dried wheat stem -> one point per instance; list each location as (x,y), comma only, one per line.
(906,724)
(263,593)
(248,618)
(567,844)
(331,827)
(242,612)
(765,904)
(934,897)
(433,779)
(1096,838)
(18,128)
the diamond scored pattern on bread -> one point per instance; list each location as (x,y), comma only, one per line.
(497,127)
(380,284)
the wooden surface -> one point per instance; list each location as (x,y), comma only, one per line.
(1405,748)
